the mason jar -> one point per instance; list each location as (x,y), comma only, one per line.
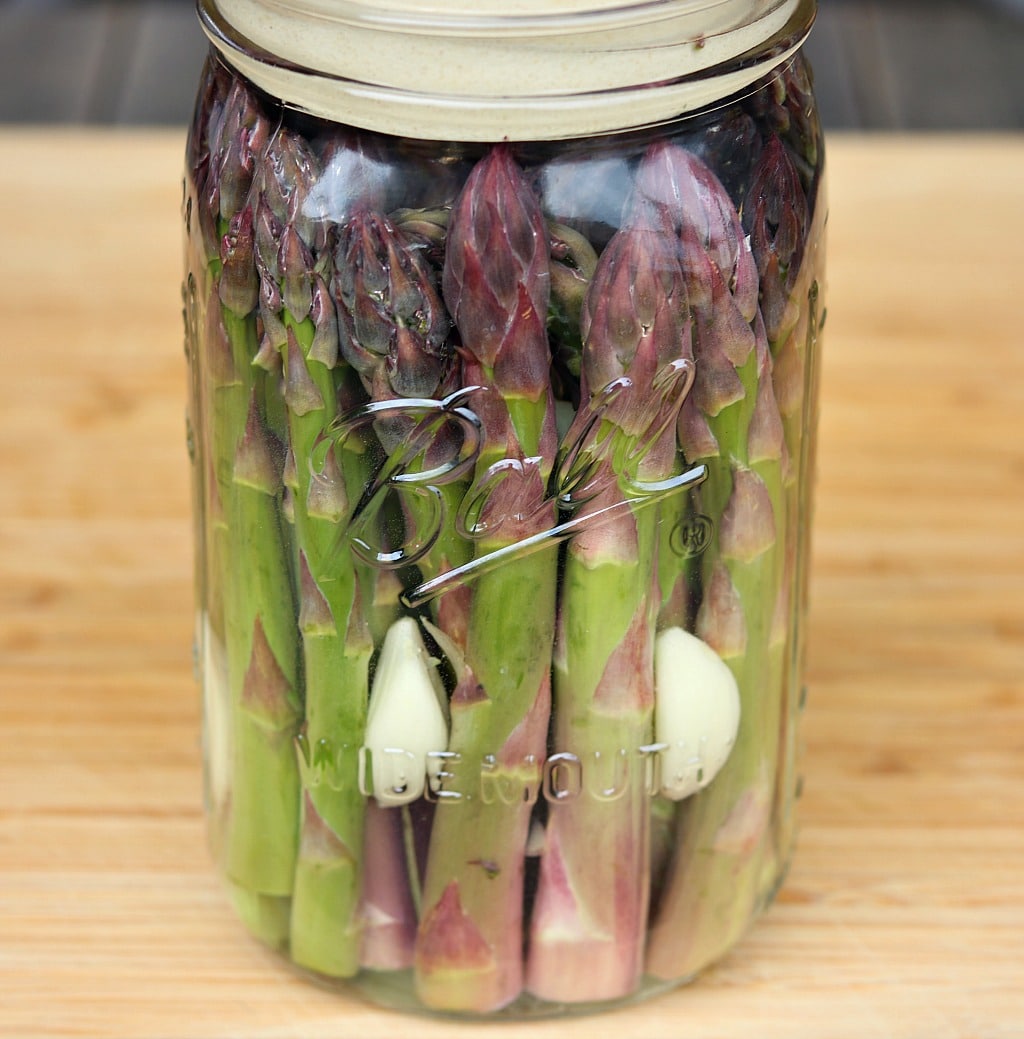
(502,330)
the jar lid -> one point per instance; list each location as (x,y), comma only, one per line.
(492,69)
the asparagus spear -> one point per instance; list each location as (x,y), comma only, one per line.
(248,589)
(395,336)
(496,285)
(202,163)
(301,338)
(573,260)
(209,620)
(388,907)
(786,105)
(396,328)
(783,233)
(776,215)
(407,721)
(731,422)
(590,915)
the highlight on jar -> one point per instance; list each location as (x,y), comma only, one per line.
(502,459)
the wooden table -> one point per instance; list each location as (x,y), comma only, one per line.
(903,916)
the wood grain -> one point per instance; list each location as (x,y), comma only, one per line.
(903,916)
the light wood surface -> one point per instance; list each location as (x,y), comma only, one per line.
(903,915)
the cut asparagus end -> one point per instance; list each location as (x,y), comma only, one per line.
(325,934)
(265,916)
(576,957)
(388,909)
(456,967)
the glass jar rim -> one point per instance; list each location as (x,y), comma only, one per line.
(532,70)
(488,17)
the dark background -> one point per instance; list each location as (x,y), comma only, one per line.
(879,64)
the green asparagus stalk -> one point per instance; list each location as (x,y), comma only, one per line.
(394,335)
(573,260)
(786,105)
(301,337)
(496,286)
(395,326)
(731,423)
(590,915)
(248,588)
(261,654)
(784,235)
(776,215)
(388,906)
(408,723)
(203,158)
(209,620)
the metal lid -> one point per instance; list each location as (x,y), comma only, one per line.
(519,69)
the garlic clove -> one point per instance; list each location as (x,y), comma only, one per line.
(407,715)
(696,712)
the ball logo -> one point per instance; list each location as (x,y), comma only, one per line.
(441,444)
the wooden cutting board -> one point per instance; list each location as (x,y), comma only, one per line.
(903,916)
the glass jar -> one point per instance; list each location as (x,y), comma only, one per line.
(502,326)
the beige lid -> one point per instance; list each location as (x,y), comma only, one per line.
(521,69)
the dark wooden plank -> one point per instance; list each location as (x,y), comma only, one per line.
(932,64)
(953,65)
(48,60)
(870,73)
(879,64)
(121,25)
(163,72)
(835,87)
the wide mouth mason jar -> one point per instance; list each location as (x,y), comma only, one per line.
(502,326)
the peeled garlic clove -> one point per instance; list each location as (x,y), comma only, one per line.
(407,717)
(696,712)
